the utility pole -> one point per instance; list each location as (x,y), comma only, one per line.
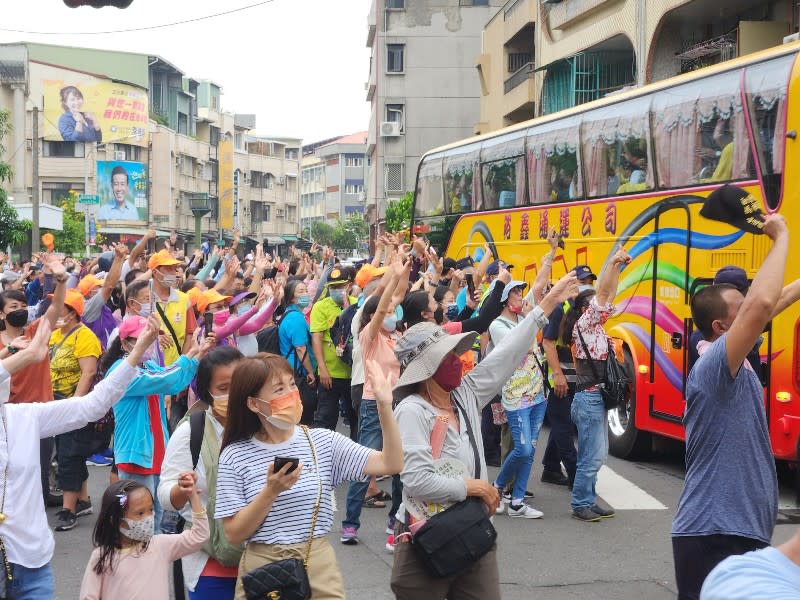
(35,237)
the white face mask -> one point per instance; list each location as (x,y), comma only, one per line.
(141,531)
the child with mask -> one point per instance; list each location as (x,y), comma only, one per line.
(127,555)
(140,430)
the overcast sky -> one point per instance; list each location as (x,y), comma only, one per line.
(299,65)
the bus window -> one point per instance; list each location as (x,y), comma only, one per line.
(766,85)
(553,170)
(616,149)
(461,182)
(701,133)
(503,171)
(430,193)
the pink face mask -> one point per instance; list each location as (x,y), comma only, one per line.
(448,375)
(221,317)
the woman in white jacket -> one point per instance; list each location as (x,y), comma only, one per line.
(211,572)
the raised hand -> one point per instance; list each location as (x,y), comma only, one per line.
(564,288)
(621,258)
(53,264)
(504,275)
(775,226)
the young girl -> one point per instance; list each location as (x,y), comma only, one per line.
(128,560)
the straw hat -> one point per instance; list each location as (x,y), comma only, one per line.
(420,352)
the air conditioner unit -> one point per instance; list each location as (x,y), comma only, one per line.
(281,180)
(119,155)
(390,129)
(362,197)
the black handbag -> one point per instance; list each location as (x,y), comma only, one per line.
(456,538)
(615,384)
(285,579)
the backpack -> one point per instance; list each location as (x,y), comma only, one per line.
(342,334)
(268,340)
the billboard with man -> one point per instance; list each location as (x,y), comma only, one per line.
(122,187)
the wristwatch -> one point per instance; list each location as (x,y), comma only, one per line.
(11,349)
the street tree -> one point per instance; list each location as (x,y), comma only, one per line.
(322,233)
(398,213)
(13,230)
(72,238)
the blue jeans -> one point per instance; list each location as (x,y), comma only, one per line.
(371,436)
(525,425)
(214,588)
(32,584)
(591,418)
(151,483)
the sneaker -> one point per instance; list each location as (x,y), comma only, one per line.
(554,477)
(529,495)
(108,453)
(390,526)
(586,514)
(605,513)
(83,507)
(501,508)
(66,519)
(524,511)
(349,536)
(98,460)
(390,543)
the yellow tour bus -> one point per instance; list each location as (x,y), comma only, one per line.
(633,169)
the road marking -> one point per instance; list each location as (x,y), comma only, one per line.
(623,494)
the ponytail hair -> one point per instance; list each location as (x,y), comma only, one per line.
(582,301)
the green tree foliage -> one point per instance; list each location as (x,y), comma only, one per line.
(350,233)
(398,213)
(13,231)
(71,239)
(322,233)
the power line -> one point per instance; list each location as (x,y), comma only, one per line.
(135,29)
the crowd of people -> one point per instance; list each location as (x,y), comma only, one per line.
(213,385)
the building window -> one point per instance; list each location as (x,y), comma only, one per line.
(186,164)
(290,153)
(394,57)
(238,141)
(354,161)
(127,152)
(55,192)
(183,124)
(291,214)
(473,2)
(64,149)
(395,113)
(267,211)
(352,188)
(213,135)
(394,177)
(395,4)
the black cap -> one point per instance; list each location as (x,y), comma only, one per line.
(583,272)
(463,263)
(733,275)
(732,205)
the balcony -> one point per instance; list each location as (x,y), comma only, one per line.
(520,76)
(565,14)
(517,16)
(372,24)
(517,60)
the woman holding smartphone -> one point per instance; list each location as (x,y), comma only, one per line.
(277,511)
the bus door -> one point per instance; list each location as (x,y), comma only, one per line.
(669,309)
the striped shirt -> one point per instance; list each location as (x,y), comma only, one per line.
(242,473)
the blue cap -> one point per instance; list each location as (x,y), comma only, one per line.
(583,272)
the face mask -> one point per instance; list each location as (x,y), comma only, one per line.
(144,309)
(303,301)
(170,281)
(221,317)
(286,410)
(243,308)
(515,309)
(141,531)
(448,375)
(17,318)
(452,311)
(337,296)
(220,405)
(390,323)
(584,287)
(361,300)
(60,322)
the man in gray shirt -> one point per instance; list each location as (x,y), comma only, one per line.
(729,501)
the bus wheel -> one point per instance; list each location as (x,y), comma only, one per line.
(624,439)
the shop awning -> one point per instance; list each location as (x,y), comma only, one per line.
(131,231)
(274,240)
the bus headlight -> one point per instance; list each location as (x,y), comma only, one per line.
(783,397)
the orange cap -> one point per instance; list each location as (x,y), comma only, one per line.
(210,297)
(88,283)
(194,295)
(74,299)
(161,259)
(367,273)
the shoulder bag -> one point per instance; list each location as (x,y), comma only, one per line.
(614,385)
(286,579)
(455,539)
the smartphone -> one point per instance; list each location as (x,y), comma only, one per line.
(470,283)
(561,242)
(208,321)
(281,461)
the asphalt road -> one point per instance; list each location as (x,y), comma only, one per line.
(556,557)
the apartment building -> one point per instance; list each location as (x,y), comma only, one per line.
(541,56)
(147,123)
(312,190)
(422,87)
